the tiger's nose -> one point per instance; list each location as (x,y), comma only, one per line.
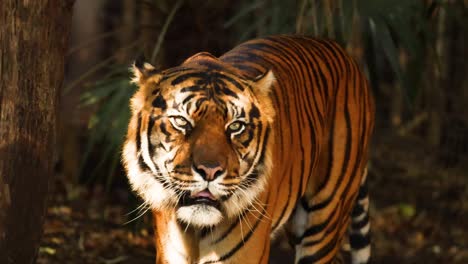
(209,172)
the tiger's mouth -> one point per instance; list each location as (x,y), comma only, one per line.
(200,209)
(204,197)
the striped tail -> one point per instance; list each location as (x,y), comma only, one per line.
(359,232)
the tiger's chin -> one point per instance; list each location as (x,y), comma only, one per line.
(199,215)
(199,209)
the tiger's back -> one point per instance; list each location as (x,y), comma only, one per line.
(308,154)
(324,121)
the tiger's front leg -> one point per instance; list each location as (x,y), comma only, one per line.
(174,245)
(243,240)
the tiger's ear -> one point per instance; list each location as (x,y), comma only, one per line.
(143,74)
(263,82)
(142,71)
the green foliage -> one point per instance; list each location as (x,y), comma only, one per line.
(395,26)
(260,18)
(407,210)
(107,126)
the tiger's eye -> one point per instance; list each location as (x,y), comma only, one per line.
(180,121)
(235,126)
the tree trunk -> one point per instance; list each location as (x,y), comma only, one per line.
(33,41)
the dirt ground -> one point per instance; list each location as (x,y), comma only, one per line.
(419,215)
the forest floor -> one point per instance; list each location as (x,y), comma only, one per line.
(419,215)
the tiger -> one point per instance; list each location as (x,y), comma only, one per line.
(270,138)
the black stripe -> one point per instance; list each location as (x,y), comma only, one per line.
(254,113)
(242,113)
(324,251)
(143,166)
(252,178)
(227,91)
(229,230)
(318,78)
(163,129)
(331,228)
(244,67)
(200,101)
(357,210)
(148,135)
(231,80)
(335,58)
(188,98)
(315,229)
(184,77)
(247,57)
(141,162)
(360,224)
(329,63)
(363,191)
(159,102)
(358,241)
(250,135)
(138,136)
(169,73)
(211,65)
(192,89)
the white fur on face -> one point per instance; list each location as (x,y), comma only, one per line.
(199,215)
(144,183)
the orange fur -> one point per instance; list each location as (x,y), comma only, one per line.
(305,116)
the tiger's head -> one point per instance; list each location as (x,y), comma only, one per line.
(198,139)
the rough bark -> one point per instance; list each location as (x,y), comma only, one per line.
(33,40)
